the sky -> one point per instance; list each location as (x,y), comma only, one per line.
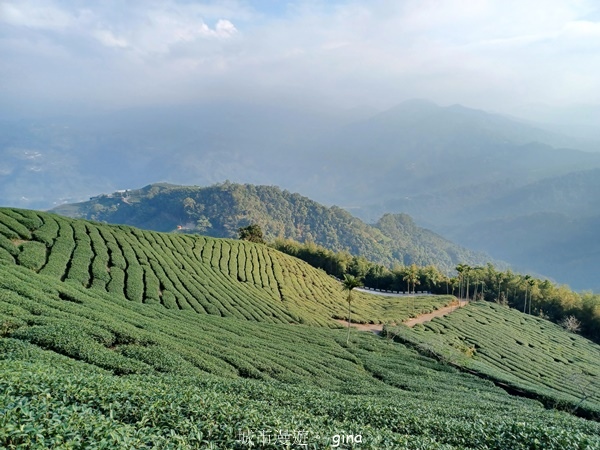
(500,55)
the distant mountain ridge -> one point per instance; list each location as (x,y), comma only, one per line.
(419,149)
(413,149)
(458,171)
(219,211)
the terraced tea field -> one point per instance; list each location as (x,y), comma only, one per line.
(221,277)
(112,337)
(79,365)
(522,351)
(82,324)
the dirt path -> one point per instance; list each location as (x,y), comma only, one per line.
(437,313)
(377,327)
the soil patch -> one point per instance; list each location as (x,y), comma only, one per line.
(378,327)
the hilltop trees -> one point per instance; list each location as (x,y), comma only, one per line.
(334,263)
(431,277)
(252,233)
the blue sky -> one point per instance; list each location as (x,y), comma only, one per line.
(75,55)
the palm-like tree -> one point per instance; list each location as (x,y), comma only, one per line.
(350,282)
(526,281)
(461,269)
(467,272)
(499,279)
(432,277)
(478,275)
(412,276)
(531,283)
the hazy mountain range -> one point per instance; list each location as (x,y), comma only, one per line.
(486,181)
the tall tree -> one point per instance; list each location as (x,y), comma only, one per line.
(463,277)
(467,272)
(252,233)
(499,279)
(532,284)
(525,280)
(461,269)
(411,276)
(350,282)
(477,277)
(432,276)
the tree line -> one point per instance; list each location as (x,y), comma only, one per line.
(526,293)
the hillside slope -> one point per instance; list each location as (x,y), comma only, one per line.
(550,226)
(420,149)
(220,210)
(78,366)
(90,356)
(223,277)
(523,352)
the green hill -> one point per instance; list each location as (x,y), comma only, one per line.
(220,210)
(100,346)
(223,277)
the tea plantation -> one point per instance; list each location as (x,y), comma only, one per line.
(111,337)
(524,352)
(221,277)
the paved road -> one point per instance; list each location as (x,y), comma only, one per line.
(387,294)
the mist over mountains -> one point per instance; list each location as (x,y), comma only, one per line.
(486,181)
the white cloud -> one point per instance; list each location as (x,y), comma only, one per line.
(486,53)
(35,15)
(225,28)
(107,38)
(583,29)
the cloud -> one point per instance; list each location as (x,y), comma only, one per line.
(583,28)
(483,53)
(35,15)
(107,38)
(225,28)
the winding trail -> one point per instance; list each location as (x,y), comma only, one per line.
(437,313)
(377,327)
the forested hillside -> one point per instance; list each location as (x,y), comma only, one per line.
(221,209)
(550,225)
